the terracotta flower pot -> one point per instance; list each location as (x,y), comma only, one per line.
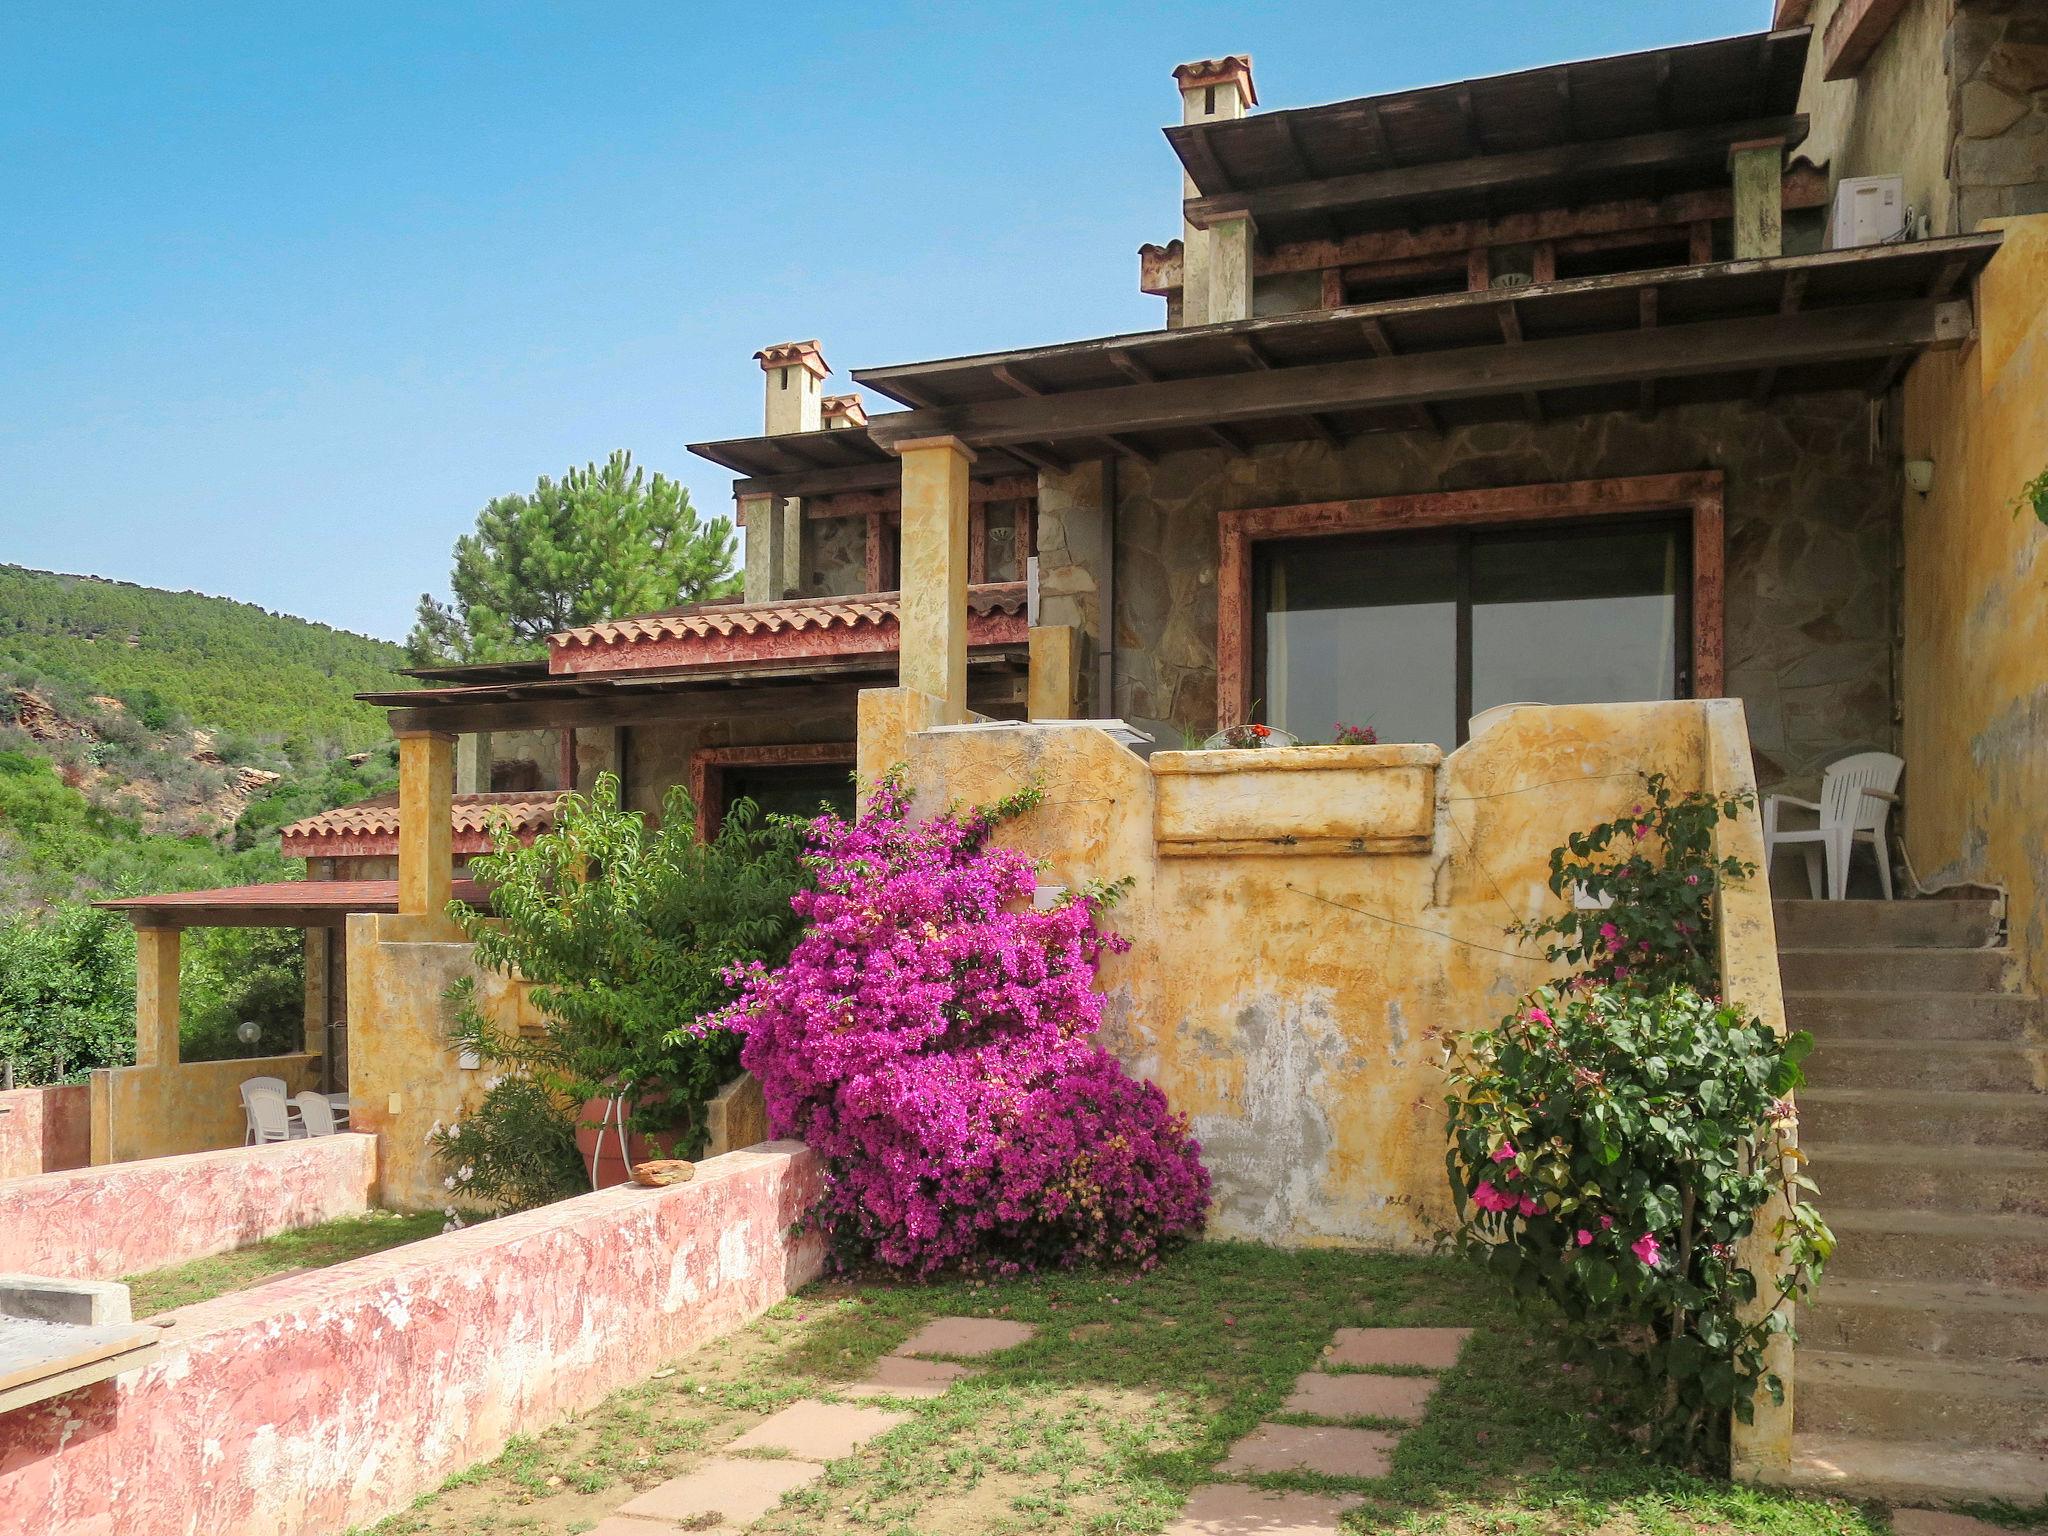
(615,1163)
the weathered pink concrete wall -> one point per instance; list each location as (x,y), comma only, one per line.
(124,1218)
(331,1399)
(44,1129)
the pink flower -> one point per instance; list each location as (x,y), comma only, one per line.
(1606,1223)
(1692,879)
(1540,1016)
(1529,1207)
(1585,1238)
(1504,1153)
(1487,1198)
(1608,930)
(1645,1248)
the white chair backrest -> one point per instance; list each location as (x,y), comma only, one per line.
(1841,789)
(262,1085)
(267,1112)
(316,1112)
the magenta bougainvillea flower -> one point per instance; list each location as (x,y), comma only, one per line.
(931,1037)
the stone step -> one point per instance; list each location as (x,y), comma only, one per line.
(1928,924)
(1914,1471)
(1879,1175)
(1898,970)
(2018,1120)
(1990,1405)
(1908,1015)
(1958,1066)
(1932,1247)
(1925,1320)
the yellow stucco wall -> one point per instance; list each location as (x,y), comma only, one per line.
(1892,119)
(1282,993)
(190,1106)
(1974,684)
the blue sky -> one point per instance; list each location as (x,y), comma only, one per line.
(288,292)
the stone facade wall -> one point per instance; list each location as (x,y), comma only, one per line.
(1998,59)
(1810,529)
(835,556)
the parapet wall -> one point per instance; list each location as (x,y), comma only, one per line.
(128,1218)
(44,1129)
(323,1402)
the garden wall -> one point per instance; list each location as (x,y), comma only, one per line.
(44,1129)
(1302,920)
(182,1106)
(331,1399)
(126,1218)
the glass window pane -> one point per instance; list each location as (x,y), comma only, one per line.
(1362,631)
(1577,616)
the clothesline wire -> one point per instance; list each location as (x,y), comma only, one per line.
(1395,922)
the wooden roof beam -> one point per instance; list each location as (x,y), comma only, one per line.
(1646,319)
(1481,173)
(1838,334)
(1791,294)
(1382,345)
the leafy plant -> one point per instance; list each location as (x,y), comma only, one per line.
(627,934)
(1656,871)
(1355,735)
(2034,494)
(931,1038)
(1615,1147)
(517,1149)
(597,544)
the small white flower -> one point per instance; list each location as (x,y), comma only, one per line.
(465,1173)
(449,1182)
(455,1128)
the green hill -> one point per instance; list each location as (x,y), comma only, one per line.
(220,664)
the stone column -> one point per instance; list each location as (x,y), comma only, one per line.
(1213,90)
(758,515)
(1758,166)
(317,1003)
(156,996)
(1055,671)
(473,763)
(426,857)
(933,655)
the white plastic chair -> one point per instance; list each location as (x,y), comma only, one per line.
(1856,798)
(316,1112)
(272,1116)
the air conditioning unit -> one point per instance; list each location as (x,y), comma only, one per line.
(1869,210)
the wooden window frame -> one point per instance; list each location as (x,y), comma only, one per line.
(708,765)
(1698,494)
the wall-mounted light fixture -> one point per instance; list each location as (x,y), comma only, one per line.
(1920,475)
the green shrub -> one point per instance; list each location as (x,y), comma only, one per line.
(628,934)
(67,994)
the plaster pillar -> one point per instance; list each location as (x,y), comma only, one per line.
(1055,672)
(317,1002)
(933,655)
(1213,90)
(473,763)
(758,515)
(1758,166)
(156,996)
(426,856)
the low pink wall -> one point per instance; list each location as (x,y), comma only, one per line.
(124,1218)
(44,1129)
(333,1398)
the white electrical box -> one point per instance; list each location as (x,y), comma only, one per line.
(1869,210)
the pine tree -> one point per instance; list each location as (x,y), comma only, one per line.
(597,544)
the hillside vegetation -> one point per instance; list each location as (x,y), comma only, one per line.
(155,741)
(222,665)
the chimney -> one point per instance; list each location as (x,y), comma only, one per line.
(843,411)
(1215,263)
(795,373)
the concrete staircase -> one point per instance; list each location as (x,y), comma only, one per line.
(1922,1369)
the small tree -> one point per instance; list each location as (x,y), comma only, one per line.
(627,934)
(597,544)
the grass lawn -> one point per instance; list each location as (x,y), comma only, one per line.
(330,1242)
(1133,1389)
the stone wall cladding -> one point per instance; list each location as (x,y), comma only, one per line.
(322,1402)
(1998,69)
(1809,545)
(835,556)
(126,1218)
(43,1130)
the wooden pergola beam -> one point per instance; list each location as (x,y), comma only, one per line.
(1843,333)
(1482,173)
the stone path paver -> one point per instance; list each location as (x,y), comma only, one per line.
(901,1376)
(971,1338)
(1434,1349)
(728,1493)
(812,1431)
(1325,1396)
(1328,1449)
(1224,1509)
(733,1489)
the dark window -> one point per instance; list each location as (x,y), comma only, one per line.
(1414,634)
(786,789)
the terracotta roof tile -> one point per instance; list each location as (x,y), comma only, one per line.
(283,896)
(370,827)
(729,619)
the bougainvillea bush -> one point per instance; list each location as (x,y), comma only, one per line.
(930,1037)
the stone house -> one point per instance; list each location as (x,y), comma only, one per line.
(1537,423)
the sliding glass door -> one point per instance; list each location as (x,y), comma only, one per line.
(1413,634)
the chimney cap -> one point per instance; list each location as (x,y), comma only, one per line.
(846,410)
(784,354)
(1231,69)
